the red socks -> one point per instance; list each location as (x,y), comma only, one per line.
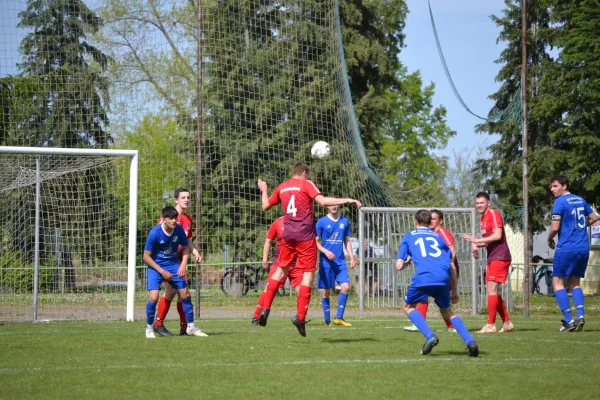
(270,293)
(259,306)
(492,308)
(303,301)
(162,310)
(502,310)
(422,309)
(182,319)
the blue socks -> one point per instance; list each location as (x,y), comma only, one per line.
(578,301)
(562,299)
(341,306)
(326,309)
(188,309)
(462,330)
(420,323)
(150,312)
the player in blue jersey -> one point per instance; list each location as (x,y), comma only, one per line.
(160,253)
(333,234)
(433,278)
(570,215)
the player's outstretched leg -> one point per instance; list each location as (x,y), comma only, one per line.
(422,309)
(462,330)
(421,324)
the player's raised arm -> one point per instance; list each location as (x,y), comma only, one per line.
(264,195)
(334,201)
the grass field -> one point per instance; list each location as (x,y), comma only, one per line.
(374,358)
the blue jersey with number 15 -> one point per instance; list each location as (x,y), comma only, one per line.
(431,257)
(572,212)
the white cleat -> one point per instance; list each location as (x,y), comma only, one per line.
(195,331)
(150,334)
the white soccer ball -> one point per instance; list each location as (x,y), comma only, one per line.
(320,150)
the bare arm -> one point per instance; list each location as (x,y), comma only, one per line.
(495,236)
(334,201)
(349,251)
(182,270)
(329,254)
(400,264)
(148,260)
(453,262)
(454,285)
(554,228)
(593,218)
(266,252)
(264,195)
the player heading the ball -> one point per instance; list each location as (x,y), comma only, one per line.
(296,196)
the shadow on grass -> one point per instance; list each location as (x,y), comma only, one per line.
(330,340)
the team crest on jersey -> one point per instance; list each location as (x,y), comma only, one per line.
(341,226)
(175,239)
(328,226)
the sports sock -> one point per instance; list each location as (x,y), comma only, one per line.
(562,299)
(162,310)
(302,302)
(492,308)
(182,316)
(341,305)
(462,330)
(270,292)
(325,304)
(420,323)
(150,312)
(578,301)
(259,305)
(188,308)
(422,309)
(449,324)
(502,310)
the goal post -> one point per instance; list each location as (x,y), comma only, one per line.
(51,165)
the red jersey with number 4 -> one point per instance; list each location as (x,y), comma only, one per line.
(186,223)
(497,250)
(446,235)
(276,233)
(296,198)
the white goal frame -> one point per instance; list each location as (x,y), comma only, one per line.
(133,187)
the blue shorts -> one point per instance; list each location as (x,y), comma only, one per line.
(329,274)
(568,264)
(441,295)
(155,279)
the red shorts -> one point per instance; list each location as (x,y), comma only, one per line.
(304,252)
(497,271)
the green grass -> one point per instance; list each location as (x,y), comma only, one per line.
(372,359)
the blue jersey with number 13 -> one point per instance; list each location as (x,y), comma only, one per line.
(431,257)
(572,212)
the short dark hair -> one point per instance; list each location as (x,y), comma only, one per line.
(299,168)
(423,217)
(169,212)
(439,213)
(483,194)
(178,191)
(563,180)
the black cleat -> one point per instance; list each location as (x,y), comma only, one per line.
(567,327)
(579,323)
(264,315)
(182,329)
(254,322)
(429,344)
(301,325)
(473,349)
(161,330)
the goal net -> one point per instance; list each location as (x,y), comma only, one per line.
(64,249)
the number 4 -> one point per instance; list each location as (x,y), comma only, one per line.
(291,207)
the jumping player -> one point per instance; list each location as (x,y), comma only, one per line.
(433,278)
(570,215)
(498,260)
(182,201)
(296,197)
(160,253)
(333,232)
(437,219)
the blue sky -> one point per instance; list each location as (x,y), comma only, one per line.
(468,39)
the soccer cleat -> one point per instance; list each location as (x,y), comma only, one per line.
(567,326)
(254,322)
(195,331)
(341,322)
(301,325)
(182,328)
(473,349)
(451,330)
(161,330)
(488,328)
(183,332)
(262,319)
(507,327)
(150,334)
(328,324)
(412,328)
(429,345)
(579,323)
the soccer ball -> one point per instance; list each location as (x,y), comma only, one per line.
(320,150)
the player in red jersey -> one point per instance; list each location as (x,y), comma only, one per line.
(437,219)
(498,260)
(299,237)
(182,201)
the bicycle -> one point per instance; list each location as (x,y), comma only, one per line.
(239,279)
(541,272)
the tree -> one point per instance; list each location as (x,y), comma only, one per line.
(73,97)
